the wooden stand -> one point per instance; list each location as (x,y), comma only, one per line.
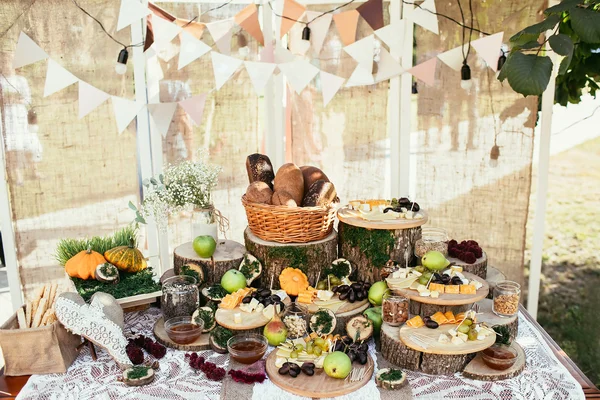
(479,268)
(161,337)
(228,255)
(427,310)
(477,369)
(494,276)
(491,319)
(343,318)
(310,257)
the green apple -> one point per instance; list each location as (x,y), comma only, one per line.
(233,280)
(337,365)
(434,261)
(376,292)
(374,315)
(205,246)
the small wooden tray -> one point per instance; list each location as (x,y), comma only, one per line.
(478,370)
(435,347)
(249,320)
(161,337)
(352,217)
(319,385)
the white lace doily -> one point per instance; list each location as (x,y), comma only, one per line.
(544,377)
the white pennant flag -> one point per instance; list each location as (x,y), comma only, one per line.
(259,73)
(387,67)
(393,36)
(299,73)
(360,76)
(283,55)
(362,51)
(27,52)
(318,29)
(125,111)
(454,58)
(424,16)
(57,78)
(90,98)
(131,11)
(330,85)
(224,67)
(191,49)
(162,114)
(488,48)
(194,106)
(221,32)
(164,31)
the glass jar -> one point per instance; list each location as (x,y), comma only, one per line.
(394,309)
(205,223)
(432,239)
(507,295)
(295,317)
(180,296)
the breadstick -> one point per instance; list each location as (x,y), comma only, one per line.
(52,294)
(39,313)
(40,293)
(46,294)
(21,318)
(34,307)
(46,317)
(52,318)
(28,316)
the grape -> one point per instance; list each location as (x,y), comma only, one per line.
(472,334)
(325,346)
(420,268)
(294,354)
(318,342)
(427,274)
(317,351)
(309,348)
(464,328)
(468,322)
(423,280)
(298,347)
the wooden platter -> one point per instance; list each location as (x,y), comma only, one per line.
(251,320)
(344,308)
(161,337)
(430,336)
(319,385)
(479,267)
(447,299)
(352,217)
(478,370)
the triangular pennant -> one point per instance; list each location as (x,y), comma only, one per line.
(299,73)
(283,55)
(162,114)
(248,20)
(362,51)
(194,106)
(330,84)
(220,29)
(488,48)
(267,54)
(425,16)
(164,31)
(393,36)
(90,98)
(346,23)
(224,44)
(318,24)
(196,29)
(425,71)
(190,49)
(57,78)
(297,45)
(387,67)
(27,52)
(224,67)
(130,12)
(259,73)
(360,76)
(125,111)
(454,58)
(292,11)
(372,12)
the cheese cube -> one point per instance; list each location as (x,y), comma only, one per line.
(365,207)
(456,340)
(462,336)
(254,303)
(452,332)
(237,318)
(435,294)
(456,268)
(425,293)
(409,215)
(444,338)
(478,285)
(259,308)
(438,287)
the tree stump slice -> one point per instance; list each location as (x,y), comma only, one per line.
(437,364)
(396,352)
(479,268)
(309,257)
(367,267)
(228,255)
(478,370)
(427,310)
(343,318)
(491,319)
(494,276)
(161,337)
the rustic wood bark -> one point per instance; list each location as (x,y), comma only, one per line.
(343,318)
(479,268)
(477,369)
(366,267)
(396,352)
(437,364)
(494,276)
(228,255)
(310,257)
(426,310)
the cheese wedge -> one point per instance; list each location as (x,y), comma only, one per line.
(415,322)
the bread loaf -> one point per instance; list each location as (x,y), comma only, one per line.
(282,198)
(289,179)
(259,192)
(311,175)
(320,194)
(259,168)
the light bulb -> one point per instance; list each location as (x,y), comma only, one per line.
(466,85)
(121,65)
(465,77)
(120,69)
(493,163)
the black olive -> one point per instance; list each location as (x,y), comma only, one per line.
(344,295)
(265,293)
(456,281)
(247,300)
(267,302)
(446,279)
(285,368)
(431,324)
(293,373)
(351,297)
(362,357)
(437,276)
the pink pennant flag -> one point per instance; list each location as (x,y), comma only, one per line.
(194,106)
(425,71)
(248,20)
(488,48)
(346,23)
(292,11)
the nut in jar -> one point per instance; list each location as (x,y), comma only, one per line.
(507,295)
(394,309)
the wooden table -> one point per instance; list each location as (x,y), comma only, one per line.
(13,384)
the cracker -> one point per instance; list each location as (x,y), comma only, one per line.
(34,307)
(28,316)
(52,294)
(46,317)
(46,294)
(40,293)
(21,318)
(37,319)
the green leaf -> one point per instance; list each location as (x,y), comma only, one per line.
(140,219)
(153,181)
(161,178)
(534,44)
(533,32)
(132,206)
(529,74)
(563,6)
(146,182)
(586,23)
(564,64)
(504,70)
(561,44)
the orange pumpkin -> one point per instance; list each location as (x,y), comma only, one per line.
(127,258)
(83,264)
(293,281)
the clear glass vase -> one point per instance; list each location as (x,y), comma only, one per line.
(205,223)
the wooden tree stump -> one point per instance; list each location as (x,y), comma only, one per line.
(228,255)
(478,370)
(369,249)
(494,276)
(479,268)
(310,257)
(426,310)
(491,319)
(343,318)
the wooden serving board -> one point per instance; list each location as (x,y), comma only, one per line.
(430,336)
(344,308)
(319,385)
(446,299)
(161,337)
(479,267)
(478,370)
(252,320)
(354,218)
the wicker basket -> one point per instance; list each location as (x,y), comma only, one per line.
(289,224)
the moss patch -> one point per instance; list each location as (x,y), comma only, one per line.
(295,256)
(130,284)
(137,372)
(375,244)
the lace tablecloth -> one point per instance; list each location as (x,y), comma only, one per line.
(544,377)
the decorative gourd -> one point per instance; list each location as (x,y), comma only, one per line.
(83,264)
(293,281)
(126,258)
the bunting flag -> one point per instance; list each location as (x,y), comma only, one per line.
(362,52)
(131,11)
(330,85)
(224,67)
(191,49)
(248,20)
(57,78)
(454,58)
(425,71)
(163,31)
(424,16)
(90,98)
(162,114)
(393,36)
(488,48)
(27,52)
(318,29)
(267,54)
(221,32)
(372,12)
(259,73)
(346,23)
(360,76)
(296,44)
(125,111)
(293,11)
(387,67)
(194,106)
(299,73)
(283,55)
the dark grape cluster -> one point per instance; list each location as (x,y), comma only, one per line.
(356,351)
(358,291)
(247,377)
(467,250)
(264,297)
(211,370)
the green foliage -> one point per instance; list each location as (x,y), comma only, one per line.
(340,270)
(221,335)
(137,372)
(375,244)
(130,284)
(392,375)
(249,268)
(503,336)
(323,322)
(67,248)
